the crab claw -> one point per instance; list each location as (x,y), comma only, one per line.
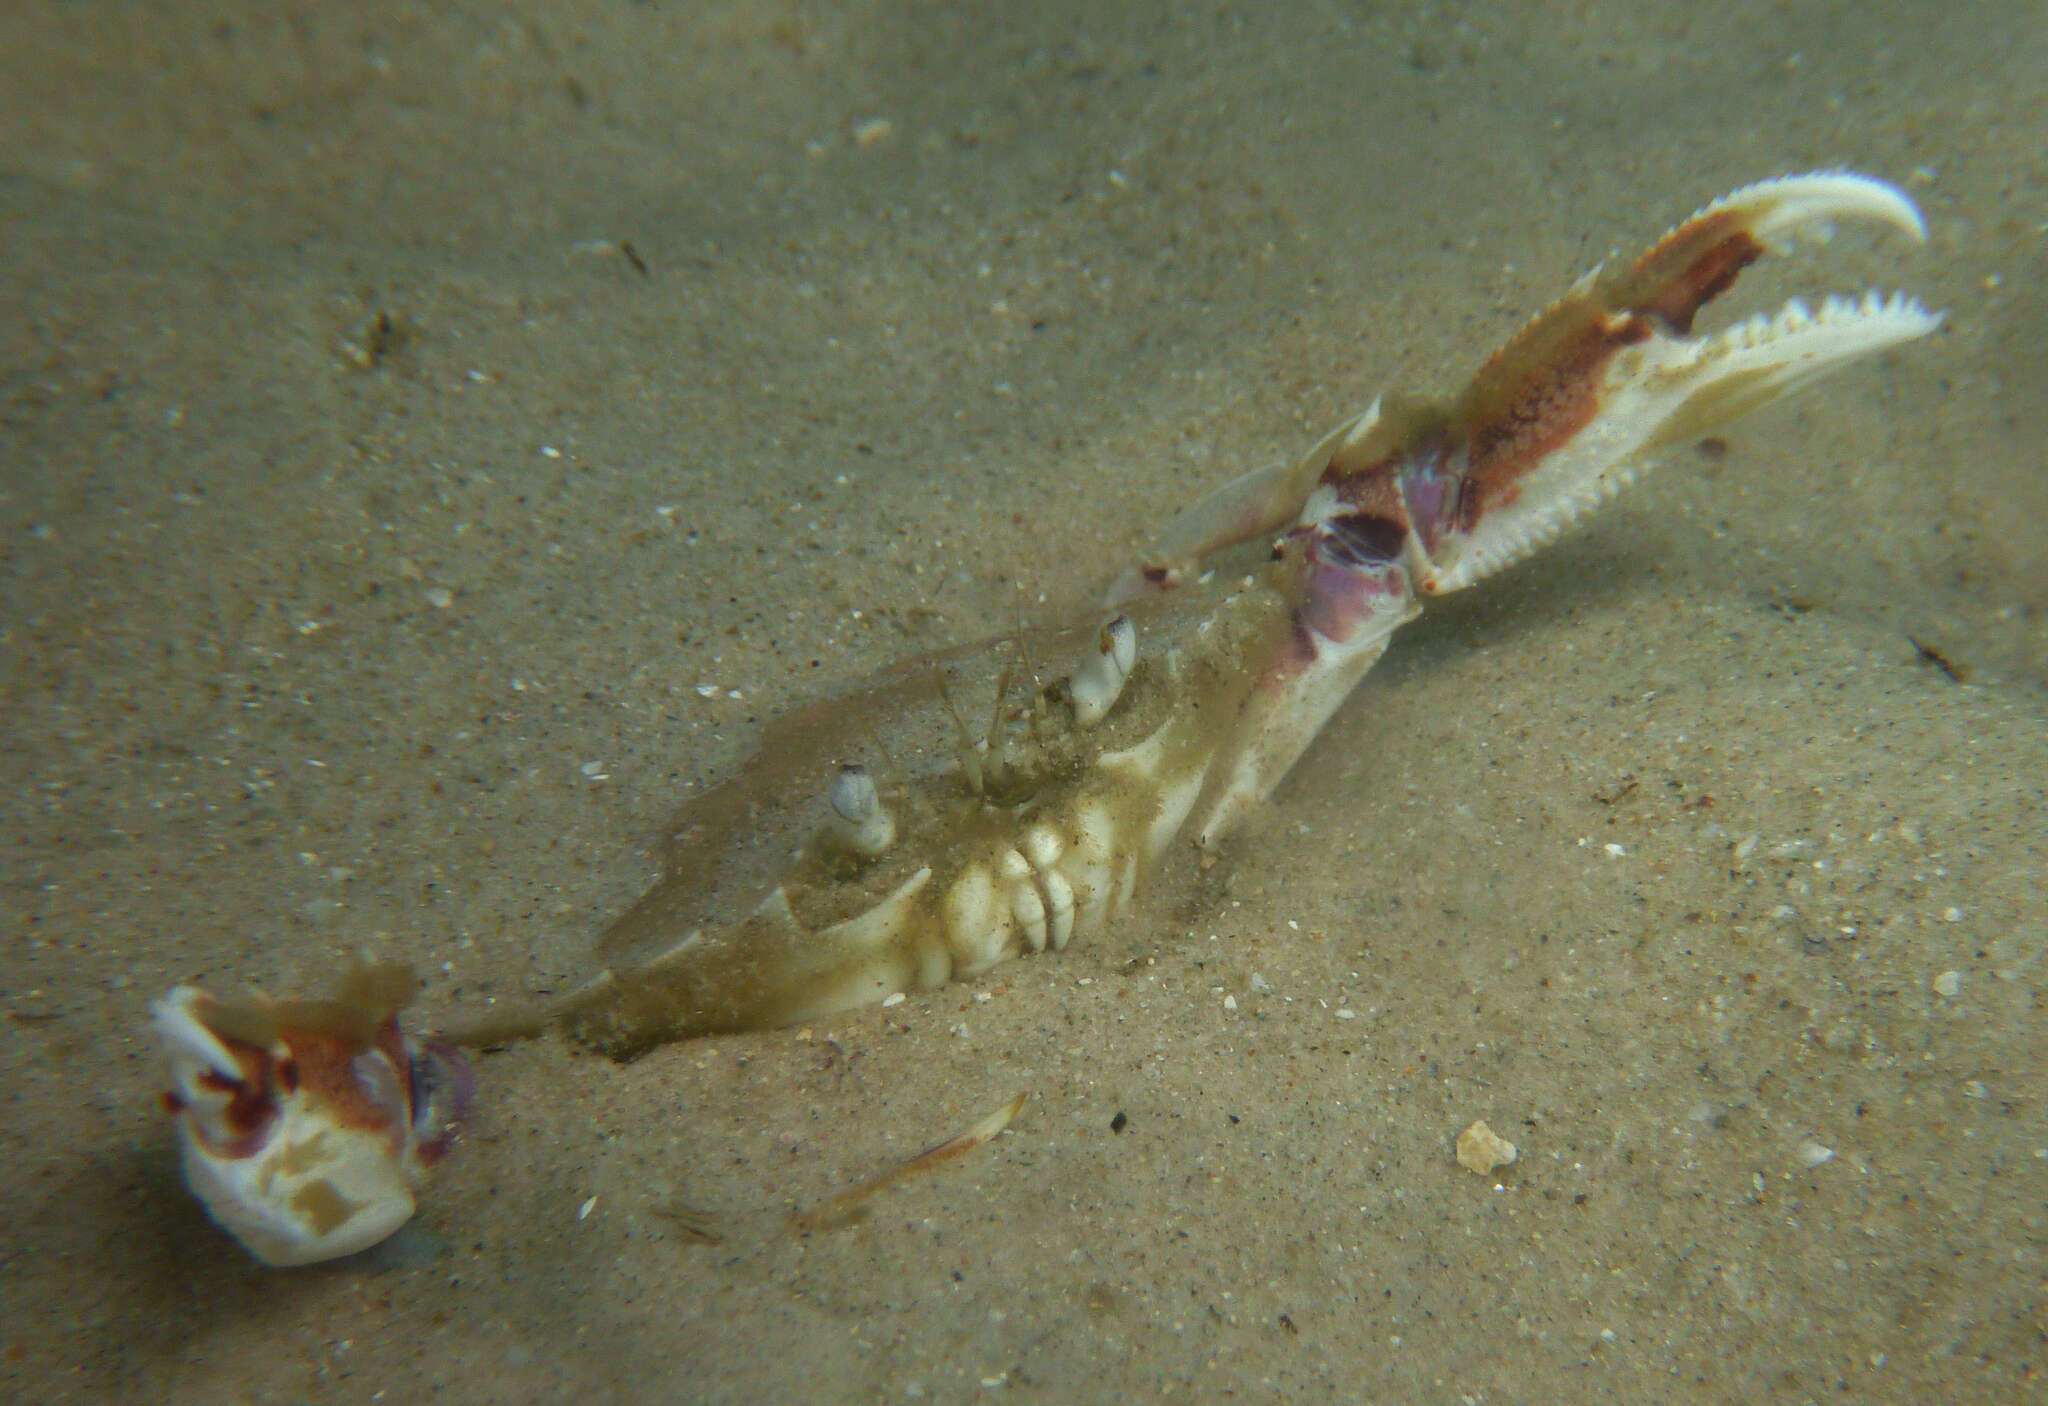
(1416,497)
(304,1125)
(1592,390)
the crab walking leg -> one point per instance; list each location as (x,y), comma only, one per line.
(1414,496)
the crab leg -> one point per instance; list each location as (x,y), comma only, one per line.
(1414,498)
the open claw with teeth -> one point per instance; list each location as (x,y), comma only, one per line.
(1595,388)
(1419,498)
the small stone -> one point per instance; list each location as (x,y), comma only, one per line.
(1948,983)
(873,132)
(1812,1154)
(1481,1149)
(440,597)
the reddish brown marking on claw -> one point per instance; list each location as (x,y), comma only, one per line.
(1690,267)
(1370,490)
(1533,397)
(251,1105)
(1543,388)
(327,1069)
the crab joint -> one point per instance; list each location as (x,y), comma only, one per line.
(859,824)
(1099,682)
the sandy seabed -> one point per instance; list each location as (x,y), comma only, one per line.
(435,438)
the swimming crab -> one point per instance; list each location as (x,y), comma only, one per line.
(884,842)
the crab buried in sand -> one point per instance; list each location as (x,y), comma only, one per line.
(304,1124)
(796,889)
(884,842)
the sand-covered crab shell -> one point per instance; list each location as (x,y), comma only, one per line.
(304,1125)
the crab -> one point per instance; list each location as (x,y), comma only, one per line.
(1412,498)
(879,843)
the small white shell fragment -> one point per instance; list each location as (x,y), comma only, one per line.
(583,1211)
(894,998)
(1481,1149)
(1948,983)
(1813,1154)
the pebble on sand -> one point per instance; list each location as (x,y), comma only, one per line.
(1481,1149)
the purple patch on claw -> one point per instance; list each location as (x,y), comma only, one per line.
(1433,492)
(443,1089)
